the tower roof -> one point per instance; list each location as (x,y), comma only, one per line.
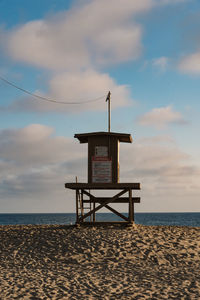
(122,137)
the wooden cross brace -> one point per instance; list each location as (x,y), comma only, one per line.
(106,202)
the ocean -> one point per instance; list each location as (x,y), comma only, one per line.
(178,219)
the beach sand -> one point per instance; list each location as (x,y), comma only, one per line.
(67,262)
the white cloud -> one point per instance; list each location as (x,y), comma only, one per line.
(35,164)
(35,146)
(168,176)
(190,63)
(91,33)
(161,117)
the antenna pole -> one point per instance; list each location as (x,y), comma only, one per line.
(109,111)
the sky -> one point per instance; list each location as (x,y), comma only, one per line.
(147,53)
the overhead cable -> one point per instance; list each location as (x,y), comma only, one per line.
(48,99)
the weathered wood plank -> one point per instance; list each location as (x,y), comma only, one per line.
(119,200)
(103,186)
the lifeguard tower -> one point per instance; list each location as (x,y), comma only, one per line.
(103,174)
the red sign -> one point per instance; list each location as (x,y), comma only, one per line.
(101,169)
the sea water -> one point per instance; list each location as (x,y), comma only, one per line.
(178,219)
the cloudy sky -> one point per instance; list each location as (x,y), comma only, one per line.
(147,53)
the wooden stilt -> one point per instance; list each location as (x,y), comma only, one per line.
(94,215)
(130,206)
(77,198)
(81,201)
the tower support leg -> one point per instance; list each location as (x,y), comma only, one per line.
(131,213)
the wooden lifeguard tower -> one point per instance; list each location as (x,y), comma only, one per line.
(103,174)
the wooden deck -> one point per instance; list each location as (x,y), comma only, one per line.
(103,186)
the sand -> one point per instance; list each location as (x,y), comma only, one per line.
(66,262)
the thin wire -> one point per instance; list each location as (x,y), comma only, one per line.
(47,99)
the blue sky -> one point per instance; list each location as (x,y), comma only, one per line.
(147,53)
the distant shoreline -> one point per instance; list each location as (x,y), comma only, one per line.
(167,219)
